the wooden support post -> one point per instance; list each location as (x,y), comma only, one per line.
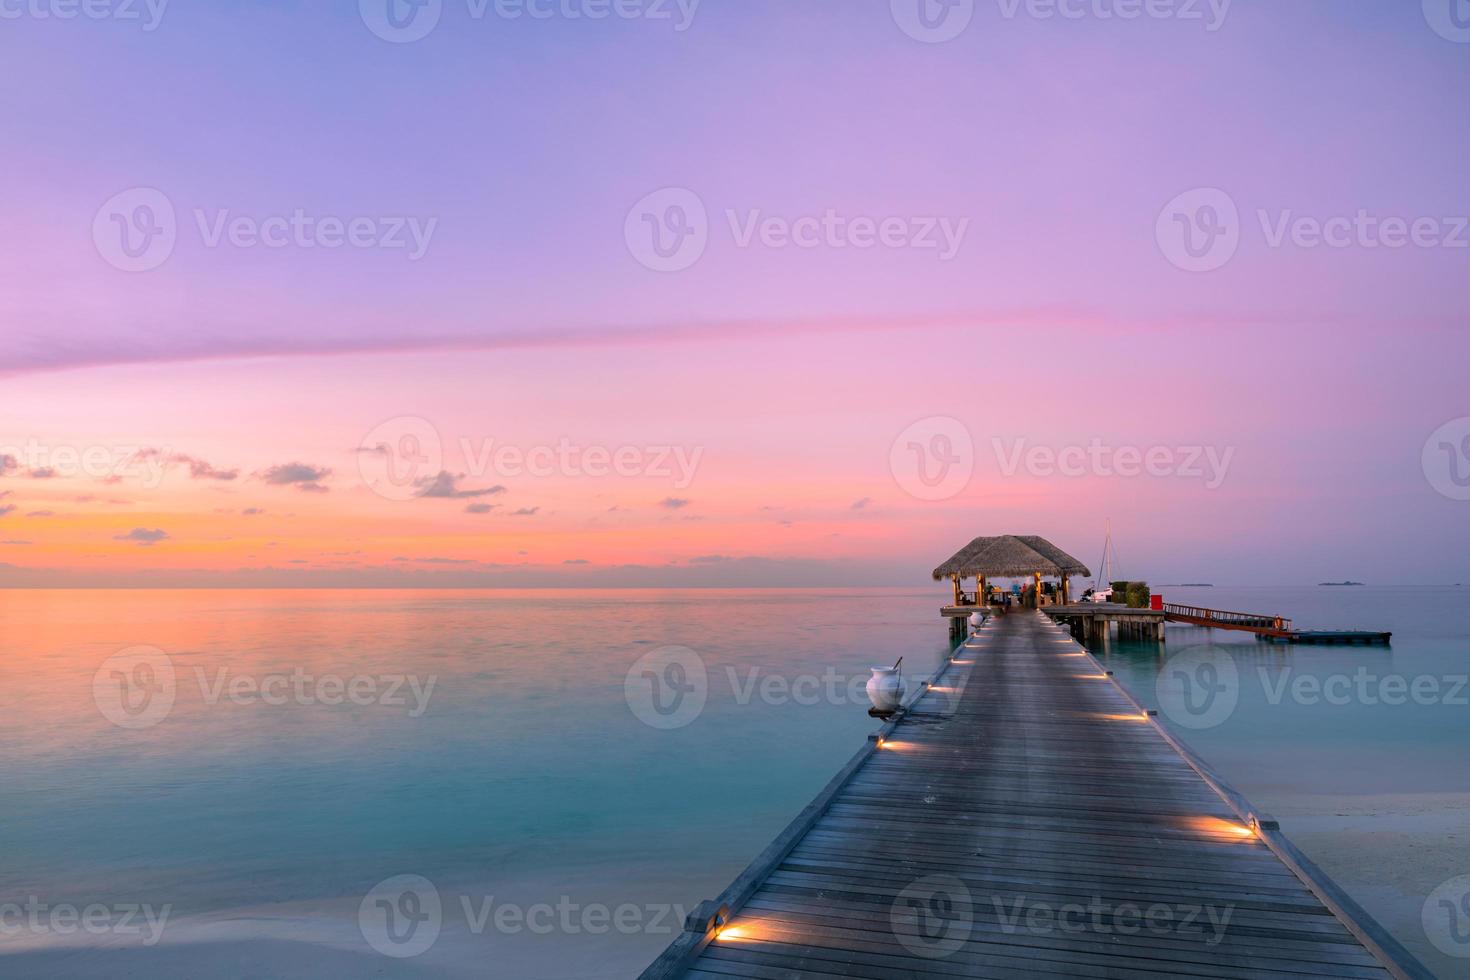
(982,597)
(1038,590)
(957,596)
(1064,589)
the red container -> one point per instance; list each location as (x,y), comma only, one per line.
(1156,603)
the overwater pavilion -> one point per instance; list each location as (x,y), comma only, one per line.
(1008,556)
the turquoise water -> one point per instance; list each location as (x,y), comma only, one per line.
(510,750)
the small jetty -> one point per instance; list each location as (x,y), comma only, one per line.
(1268,627)
(1022,816)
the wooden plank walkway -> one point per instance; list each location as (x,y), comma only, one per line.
(1025,818)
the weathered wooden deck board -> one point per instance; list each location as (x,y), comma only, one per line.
(1025,818)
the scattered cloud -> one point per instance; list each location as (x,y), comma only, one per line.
(673,503)
(709,559)
(445,486)
(253,511)
(43,473)
(143,535)
(8,464)
(7,509)
(199,469)
(302,476)
(14,541)
(576,561)
(526,512)
(479,508)
(860,504)
(40,513)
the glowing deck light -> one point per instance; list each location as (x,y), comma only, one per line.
(1215,825)
(1091,677)
(1107,717)
(732,932)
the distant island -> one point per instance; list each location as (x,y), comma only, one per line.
(1339,583)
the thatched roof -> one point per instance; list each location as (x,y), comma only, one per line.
(1010,556)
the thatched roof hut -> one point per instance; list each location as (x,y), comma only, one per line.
(1010,556)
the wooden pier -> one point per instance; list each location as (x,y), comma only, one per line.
(1024,817)
(1267,627)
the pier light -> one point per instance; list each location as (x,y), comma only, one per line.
(729,933)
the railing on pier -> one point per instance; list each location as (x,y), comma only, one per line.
(1200,616)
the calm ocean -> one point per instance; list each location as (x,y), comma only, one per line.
(246,783)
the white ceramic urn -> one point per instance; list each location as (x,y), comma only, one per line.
(885,688)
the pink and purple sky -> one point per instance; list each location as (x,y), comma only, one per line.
(203,378)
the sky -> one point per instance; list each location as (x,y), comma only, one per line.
(756,294)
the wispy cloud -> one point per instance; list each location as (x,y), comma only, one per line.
(673,503)
(143,535)
(199,469)
(860,504)
(303,476)
(526,512)
(444,486)
(479,508)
